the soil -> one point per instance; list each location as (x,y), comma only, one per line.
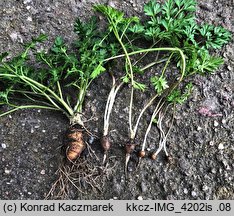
(200,143)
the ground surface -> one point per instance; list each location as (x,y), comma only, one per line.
(201,146)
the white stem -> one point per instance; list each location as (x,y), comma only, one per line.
(162,134)
(164,144)
(142,112)
(157,109)
(132,135)
(112,101)
(105,129)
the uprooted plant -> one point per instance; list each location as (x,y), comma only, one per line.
(175,37)
(58,80)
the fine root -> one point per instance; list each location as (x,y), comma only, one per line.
(82,175)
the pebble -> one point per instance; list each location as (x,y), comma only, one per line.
(3,145)
(7,171)
(42,172)
(199,128)
(43,131)
(221,146)
(194,194)
(185,191)
(216,123)
(140,198)
(29,19)
(211,143)
(224,121)
(205,188)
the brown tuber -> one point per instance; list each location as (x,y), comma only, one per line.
(141,154)
(106,144)
(76,144)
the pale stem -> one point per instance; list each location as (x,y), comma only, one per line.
(157,109)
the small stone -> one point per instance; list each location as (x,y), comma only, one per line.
(43,131)
(205,188)
(216,124)
(213,171)
(199,128)
(185,191)
(42,172)
(221,146)
(7,171)
(224,121)
(211,143)
(194,194)
(29,193)
(229,68)
(140,198)
(36,126)
(115,198)
(3,145)
(32,130)
(29,19)
(28,7)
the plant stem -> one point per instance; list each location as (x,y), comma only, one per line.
(109,104)
(26,107)
(156,110)
(142,112)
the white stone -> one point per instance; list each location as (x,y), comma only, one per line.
(221,146)
(216,124)
(29,19)
(7,171)
(194,194)
(199,128)
(185,190)
(140,198)
(3,145)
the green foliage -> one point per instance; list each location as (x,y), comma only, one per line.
(176,96)
(47,81)
(160,84)
(56,70)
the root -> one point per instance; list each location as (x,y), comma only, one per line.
(82,175)
(75,144)
(163,135)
